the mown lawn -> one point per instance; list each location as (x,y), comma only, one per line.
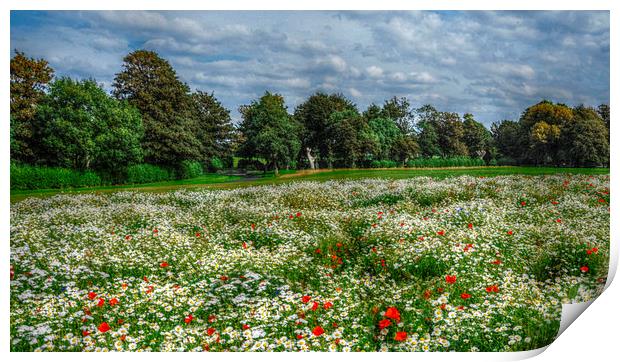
(229,182)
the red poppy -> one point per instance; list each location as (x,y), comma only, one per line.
(120,321)
(509,232)
(163,264)
(85,333)
(253,226)
(244,245)
(470,226)
(305,299)
(523,203)
(210,331)
(211,318)
(450,279)
(496,262)
(197,235)
(427,294)
(317,331)
(384,323)
(300,336)
(441,233)
(328,305)
(392,313)
(318,251)
(149,289)
(101,302)
(103,327)
(298,214)
(155,231)
(584,269)
(400,336)
(492,289)
(92,295)
(558,220)
(189,318)
(128,237)
(315,305)
(595,250)
(465,296)
(245,326)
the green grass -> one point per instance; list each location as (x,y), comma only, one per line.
(227,182)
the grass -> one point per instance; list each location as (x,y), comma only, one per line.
(219,181)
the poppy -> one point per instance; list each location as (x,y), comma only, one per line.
(197,235)
(384,323)
(103,327)
(211,319)
(450,279)
(470,226)
(101,302)
(465,296)
(189,318)
(496,262)
(245,326)
(315,305)
(492,289)
(441,233)
(328,305)
(85,333)
(392,313)
(298,214)
(317,331)
(163,264)
(300,336)
(523,203)
(400,336)
(584,269)
(305,299)
(210,331)
(509,232)
(223,278)
(92,295)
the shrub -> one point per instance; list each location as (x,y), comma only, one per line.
(383,164)
(190,169)
(460,161)
(250,165)
(145,173)
(26,177)
(215,164)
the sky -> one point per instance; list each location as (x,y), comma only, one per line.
(490,64)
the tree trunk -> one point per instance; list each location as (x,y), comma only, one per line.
(275,167)
(310,157)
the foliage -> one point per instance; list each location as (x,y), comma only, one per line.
(82,128)
(151,84)
(190,169)
(25,177)
(461,161)
(214,126)
(269,131)
(29,79)
(146,173)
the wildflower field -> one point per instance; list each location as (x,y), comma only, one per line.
(460,264)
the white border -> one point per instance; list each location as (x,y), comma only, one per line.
(593,336)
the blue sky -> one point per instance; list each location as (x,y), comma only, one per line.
(491,64)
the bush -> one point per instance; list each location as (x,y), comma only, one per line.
(145,173)
(460,161)
(383,164)
(190,169)
(25,177)
(250,165)
(215,164)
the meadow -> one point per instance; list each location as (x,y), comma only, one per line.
(461,263)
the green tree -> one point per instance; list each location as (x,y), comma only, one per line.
(399,110)
(29,79)
(214,126)
(355,141)
(387,133)
(508,140)
(450,135)
(81,127)
(603,112)
(543,123)
(150,84)
(269,131)
(586,139)
(426,119)
(314,117)
(475,136)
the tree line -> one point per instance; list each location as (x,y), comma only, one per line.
(152,117)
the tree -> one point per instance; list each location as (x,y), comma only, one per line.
(214,126)
(314,117)
(399,110)
(355,141)
(404,148)
(475,136)
(29,79)
(586,138)
(450,135)
(150,83)
(387,133)
(269,131)
(508,140)
(83,128)
(426,118)
(543,123)
(603,112)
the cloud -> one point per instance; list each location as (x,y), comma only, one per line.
(493,64)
